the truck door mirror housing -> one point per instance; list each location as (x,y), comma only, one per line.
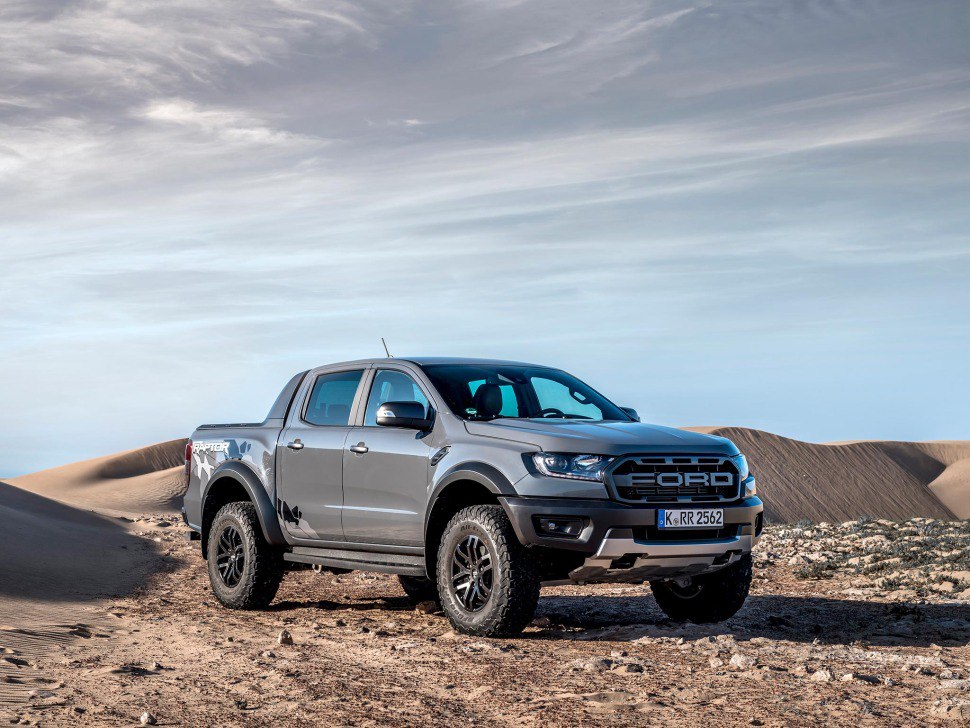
(632,412)
(403,414)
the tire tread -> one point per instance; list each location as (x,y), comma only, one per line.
(265,566)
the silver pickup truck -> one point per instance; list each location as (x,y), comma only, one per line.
(476,481)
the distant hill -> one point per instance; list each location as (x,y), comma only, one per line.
(840,481)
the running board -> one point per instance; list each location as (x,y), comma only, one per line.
(358,560)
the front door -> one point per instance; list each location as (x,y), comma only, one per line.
(311,458)
(386,471)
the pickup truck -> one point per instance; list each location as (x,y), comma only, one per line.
(476,482)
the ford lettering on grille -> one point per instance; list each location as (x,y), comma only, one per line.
(690,480)
(675,479)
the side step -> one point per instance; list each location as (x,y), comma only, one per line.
(358,560)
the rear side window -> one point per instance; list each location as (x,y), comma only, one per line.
(392,386)
(332,398)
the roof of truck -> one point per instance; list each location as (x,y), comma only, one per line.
(439,360)
(433,360)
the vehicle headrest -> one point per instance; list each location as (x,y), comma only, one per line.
(338,413)
(488,400)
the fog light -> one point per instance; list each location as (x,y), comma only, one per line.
(562,527)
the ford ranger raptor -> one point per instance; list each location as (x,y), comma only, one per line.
(476,482)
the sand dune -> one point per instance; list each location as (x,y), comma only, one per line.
(144,480)
(839,481)
(56,562)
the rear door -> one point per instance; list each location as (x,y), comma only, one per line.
(310,455)
(386,473)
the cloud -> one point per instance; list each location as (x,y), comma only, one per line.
(222,192)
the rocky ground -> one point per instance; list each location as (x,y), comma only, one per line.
(865,622)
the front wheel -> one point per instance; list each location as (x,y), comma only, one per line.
(708,598)
(488,581)
(244,570)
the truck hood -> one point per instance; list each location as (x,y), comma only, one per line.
(602,438)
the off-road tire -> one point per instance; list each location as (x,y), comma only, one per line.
(262,564)
(514,592)
(420,589)
(711,597)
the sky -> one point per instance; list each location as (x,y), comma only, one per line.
(719,213)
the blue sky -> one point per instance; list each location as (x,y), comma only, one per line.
(749,213)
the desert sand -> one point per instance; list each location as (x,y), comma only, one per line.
(105,613)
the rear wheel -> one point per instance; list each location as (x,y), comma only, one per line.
(706,599)
(420,589)
(244,570)
(488,582)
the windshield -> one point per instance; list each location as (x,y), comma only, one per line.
(487,392)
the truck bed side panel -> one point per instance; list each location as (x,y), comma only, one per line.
(252,445)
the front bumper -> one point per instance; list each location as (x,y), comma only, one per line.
(618,547)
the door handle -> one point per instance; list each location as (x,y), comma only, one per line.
(360,448)
(295,445)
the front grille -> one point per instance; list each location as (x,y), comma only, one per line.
(652,533)
(666,479)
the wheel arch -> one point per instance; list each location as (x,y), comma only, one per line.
(233,481)
(464,485)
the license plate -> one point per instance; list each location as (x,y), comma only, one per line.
(691,518)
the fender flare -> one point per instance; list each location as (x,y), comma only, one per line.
(244,476)
(482,473)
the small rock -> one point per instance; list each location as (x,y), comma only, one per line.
(600,664)
(742,661)
(284,638)
(715,662)
(148,719)
(428,607)
(823,675)
(268,654)
(362,630)
(630,668)
(340,623)
(954,685)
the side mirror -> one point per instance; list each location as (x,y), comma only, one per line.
(631,412)
(403,414)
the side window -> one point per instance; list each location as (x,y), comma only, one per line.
(332,398)
(391,386)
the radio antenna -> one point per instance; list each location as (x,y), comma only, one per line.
(385,348)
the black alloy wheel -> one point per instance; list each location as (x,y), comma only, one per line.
(230,556)
(472,573)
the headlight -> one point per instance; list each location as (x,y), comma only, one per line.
(578,467)
(741,463)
